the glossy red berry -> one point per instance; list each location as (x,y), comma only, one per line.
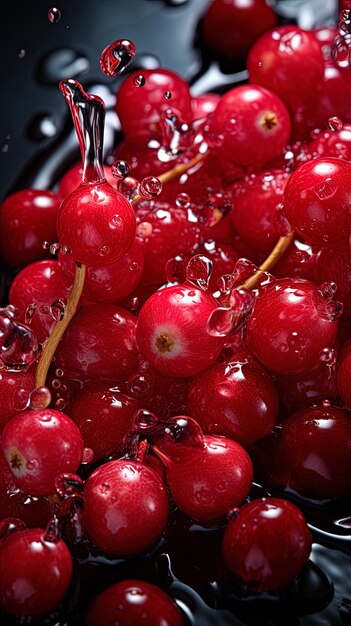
(317,201)
(39,292)
(172,331)
(27,219)
(313,452)
(15,389)
(343,375)
(125,507)
(236,399)
(131,602)
(254,212)
(230,28)
(276,59)
(299,261)
(35,573)
(99,343)
(293,322)
(148,102)
(205,104)
(302,390)
(104,416)
(73,178)
(335,143)
(253,125)
(333,264)
(207,479)
(40,445)
(163,395)
(266,544)
(96,223)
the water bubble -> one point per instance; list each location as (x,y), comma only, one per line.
(326,404)
(60,404)
(55,383)
(116,221)
(327,290)
(32,465)
(59,373)
(199,270)
(54,15)
(144,229)
(150,187)
(21,54)
(176,269)
(55,248)
(116,57)
(57,310)
(139,81)
(334,123)
(145,420)
(40,398)
(183,200)
(46,245)
(325,189)
(103,250)
(18,344)
(120,169)
(139,386)
(167,95)
(331,311)
(128,187)
(52,533)
(104,488)
(22,399)
(30,310)
(328,355)
(88,455)
(134,266)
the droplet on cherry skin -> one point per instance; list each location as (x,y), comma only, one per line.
(120,169)
(139,81)
(54,15)
(116,57)
(40,398)
(199,270)
(183,200)
(334,123)
(150,187)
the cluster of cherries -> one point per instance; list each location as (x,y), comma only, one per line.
(186,367)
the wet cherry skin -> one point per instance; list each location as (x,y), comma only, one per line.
(40,445)
(236,399)
(15,388)
(266,544)
(131,602)
(27,219)
(35,573)
(125,507)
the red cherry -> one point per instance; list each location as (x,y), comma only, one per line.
(276,59)
(207,479)
(35,573)
(104,416)
(110,283)
(317,201)
(254,124)
(333,264)
(254,208)
(230,29)
(236,399)
(148,102)
(163,395)
(223,256)
(42,284)
(266,545)
(99,343)
(125,507)
(40,445)
(171,331)
(27,219)
(171,233)
(15,389)
(203,105)
(96,223)
(131,602)
(300,391)
(293,322)
(343,375)
(299,261)
(313,452)
(335,143)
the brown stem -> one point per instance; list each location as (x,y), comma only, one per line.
(60,327)
(176,171)
(277,252)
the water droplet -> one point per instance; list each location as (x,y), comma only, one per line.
(328,355)
(326,404)
(167,95)
(150,187)
(199,270)
(103,250)
(144,229)
(325,189)
(52,533)
(145,420)
(88,455)
(139,81)
(22,399)
(40,398)
(104,488)
(57,310)
(59,373)
(334,123)
(116,57)
(176,269)
(55,248)
(183,200)
(116,221)
(46,245)
(18,344)
(134,266)
(69,485)
(120,169)
(55,383)
(60,404)
(54,15)
(21,54)
(327,290)
(139,386)
(30,310)
(128,187)
(331,311)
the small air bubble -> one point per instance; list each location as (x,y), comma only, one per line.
(334,123)
(103,250)
(120,169)
(150,187)
(183,200)
(144,229)
(40,398)
(116,221)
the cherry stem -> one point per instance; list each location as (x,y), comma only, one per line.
(176,171)
(60,327)
(280,247)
